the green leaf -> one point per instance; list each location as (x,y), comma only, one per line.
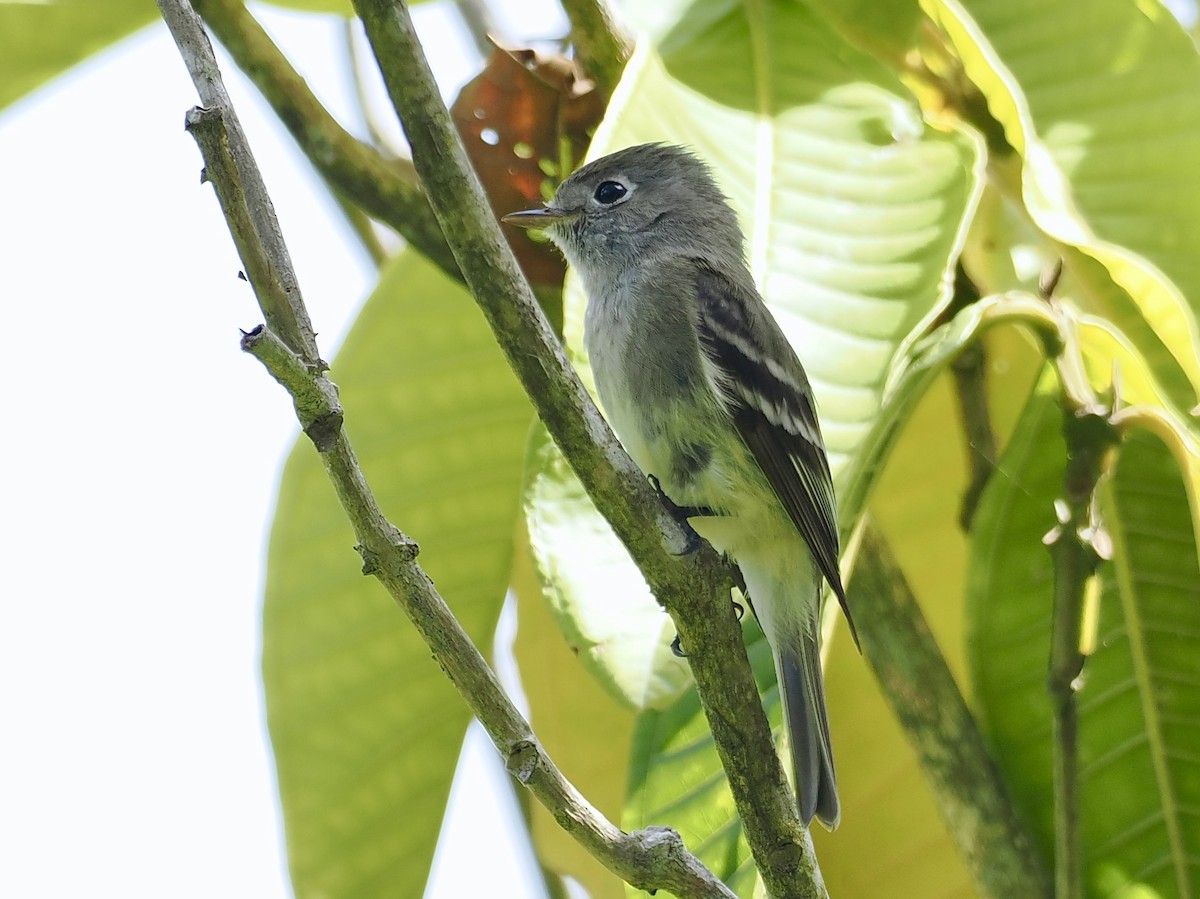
(1139,707)
(39,40)
(1106,119)
(886,29)
(598,597)
(1005,252)
(365,726)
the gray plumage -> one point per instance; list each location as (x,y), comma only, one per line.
(706,394)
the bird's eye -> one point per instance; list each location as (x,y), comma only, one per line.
(609,192)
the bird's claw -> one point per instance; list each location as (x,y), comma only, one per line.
(681,514)
(677,648)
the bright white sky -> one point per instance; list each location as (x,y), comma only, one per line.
(141,450)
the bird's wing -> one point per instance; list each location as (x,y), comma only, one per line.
(767,394)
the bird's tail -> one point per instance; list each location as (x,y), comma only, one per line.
(803,692)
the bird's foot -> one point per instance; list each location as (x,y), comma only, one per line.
(677,648)
(681,514)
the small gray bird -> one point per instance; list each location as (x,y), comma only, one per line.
(707,395)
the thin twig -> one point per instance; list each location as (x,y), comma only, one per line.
(970,387)
(694,588)
(364,229)
(250,214)
(919,687)
(969,368)
(356,64)
(651,859)
(602,45)
(1077,545)
(386,189)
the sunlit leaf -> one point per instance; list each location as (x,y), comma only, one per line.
(599,598)
(1106,119)
(365,726)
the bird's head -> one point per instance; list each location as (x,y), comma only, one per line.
(636,204)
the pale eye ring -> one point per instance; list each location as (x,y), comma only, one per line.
(608,192)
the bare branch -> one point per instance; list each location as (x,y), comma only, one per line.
(250,214)
(357,66)
(693,588)
(654,858)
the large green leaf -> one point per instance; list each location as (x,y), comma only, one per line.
(1139,706)
(853,210)
(366,728)
(1005,251)
(887,29)
(1106,119)
(600,600)
(39,40)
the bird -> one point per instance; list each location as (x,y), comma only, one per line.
(708,397)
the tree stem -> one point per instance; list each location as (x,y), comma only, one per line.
(919,687)
(1077,545)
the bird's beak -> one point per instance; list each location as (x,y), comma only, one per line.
(536,219)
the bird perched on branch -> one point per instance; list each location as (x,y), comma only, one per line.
(708,397)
